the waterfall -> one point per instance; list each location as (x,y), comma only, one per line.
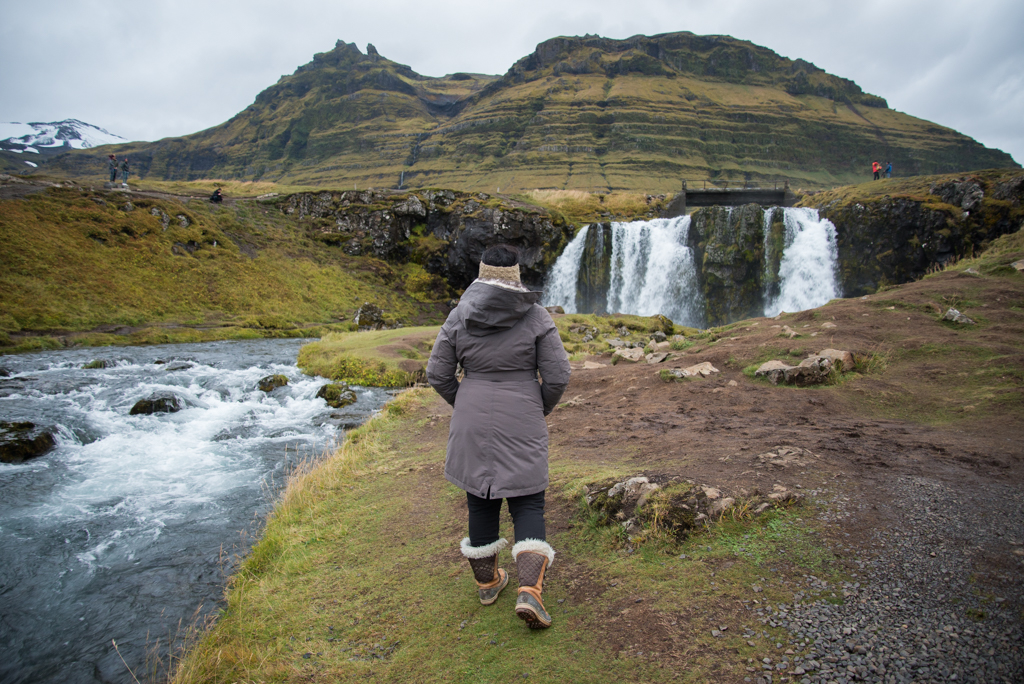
(648,267)
(650,271)
(560,289)
(808,269)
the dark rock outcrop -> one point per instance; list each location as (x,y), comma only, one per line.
(728,248)
(446,231)
(158,402)
(21,441)
(892,240)
(369,317)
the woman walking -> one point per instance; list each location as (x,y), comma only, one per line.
(498,440)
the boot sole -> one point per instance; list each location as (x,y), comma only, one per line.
(530,616)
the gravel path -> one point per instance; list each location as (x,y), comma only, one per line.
(940,601)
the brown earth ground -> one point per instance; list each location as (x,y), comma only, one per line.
(711,430)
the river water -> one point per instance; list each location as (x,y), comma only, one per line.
(132,523)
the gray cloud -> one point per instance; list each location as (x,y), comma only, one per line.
(150,70)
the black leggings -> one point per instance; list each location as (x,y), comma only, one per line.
(527,516)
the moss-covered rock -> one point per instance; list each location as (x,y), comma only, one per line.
(272,382)
(336,394)
(728,246)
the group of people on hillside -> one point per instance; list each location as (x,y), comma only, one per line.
(876,168)
(114,167)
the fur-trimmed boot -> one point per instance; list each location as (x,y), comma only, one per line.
(533,557)
(490,579)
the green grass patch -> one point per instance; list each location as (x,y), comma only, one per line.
(380,358)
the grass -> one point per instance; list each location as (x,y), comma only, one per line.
(79,270)
(381,358)
(580,206)
(357,577)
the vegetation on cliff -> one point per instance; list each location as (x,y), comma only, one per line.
(586,113)
(85,267)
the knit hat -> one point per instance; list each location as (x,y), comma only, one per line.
(502,276)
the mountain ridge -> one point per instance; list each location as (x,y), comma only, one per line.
(586,112)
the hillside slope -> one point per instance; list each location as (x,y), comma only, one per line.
(578,113)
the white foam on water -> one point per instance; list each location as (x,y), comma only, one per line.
(653,271)
(808,272)
(560,288)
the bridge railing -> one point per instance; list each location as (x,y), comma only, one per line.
(705,184)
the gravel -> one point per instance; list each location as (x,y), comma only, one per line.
(939,600)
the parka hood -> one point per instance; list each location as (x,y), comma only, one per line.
(485,309)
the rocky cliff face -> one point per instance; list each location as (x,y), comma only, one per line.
(728,247)
(893,239)
(445,231)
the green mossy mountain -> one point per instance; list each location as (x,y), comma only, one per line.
(585,112)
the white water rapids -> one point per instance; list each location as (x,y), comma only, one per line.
(132,522)
(652,271)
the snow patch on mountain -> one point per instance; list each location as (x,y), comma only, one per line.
(26,137)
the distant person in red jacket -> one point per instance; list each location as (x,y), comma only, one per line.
(876,168)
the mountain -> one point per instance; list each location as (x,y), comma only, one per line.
(25,144)
(585,113)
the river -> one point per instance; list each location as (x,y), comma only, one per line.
(132,523)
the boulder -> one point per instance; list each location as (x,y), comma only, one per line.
(614,342)
(369,317)
(1019,264)
(555,310)
(813,370)
(656,357)
(659,336)
(21,441)
(97,363)
(720,506)
(702,370)
(592,365)
(774,370)
(956,317)
(828,325)
(336,394)
(632,355)
(272,382)
(158,402)
(843,359)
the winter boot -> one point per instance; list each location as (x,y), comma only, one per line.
(490,579)
(532,558)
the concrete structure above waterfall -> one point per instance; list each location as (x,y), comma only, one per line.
(698,194)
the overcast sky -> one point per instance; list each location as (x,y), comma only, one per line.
(148,70)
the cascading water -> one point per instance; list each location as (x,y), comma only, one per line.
(647,267)
(651,271)
(808,269)
(132,521)
(561,286)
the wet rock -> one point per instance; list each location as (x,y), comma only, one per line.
(272,382)
(97,363)
(336,394)
(21,441)
(178,365)
(158,402)
(956,317)
(369,317)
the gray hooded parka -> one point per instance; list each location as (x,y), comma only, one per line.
(498,440)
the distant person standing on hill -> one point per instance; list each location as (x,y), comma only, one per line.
(888,169)
(876,168)
(498,439)
(112,165)
(124,172)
